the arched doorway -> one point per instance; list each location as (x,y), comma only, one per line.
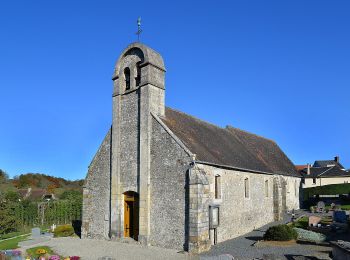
(131,214)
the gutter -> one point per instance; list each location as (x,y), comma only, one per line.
(244,169)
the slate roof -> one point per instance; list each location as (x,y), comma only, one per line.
(325,163)
(325,172)
(228,146)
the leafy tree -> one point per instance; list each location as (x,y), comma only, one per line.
(8,219)
(72,195)
(12,196)
(3,176)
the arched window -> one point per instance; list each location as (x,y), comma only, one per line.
(217,187)
(266,188)
(127,78)
(246,188)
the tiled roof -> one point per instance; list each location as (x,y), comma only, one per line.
(228,146)
(325,172)
(327,163)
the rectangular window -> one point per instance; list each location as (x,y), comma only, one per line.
(217,187)
(314,180)
(246,188)
(266,188)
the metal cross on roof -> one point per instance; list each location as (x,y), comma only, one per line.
(139,30)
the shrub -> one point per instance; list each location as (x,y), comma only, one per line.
(310,236)
(280,233)
(64,231)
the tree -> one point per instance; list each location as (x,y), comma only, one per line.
(8,219)
(12,196)
(72,195)
(3,176)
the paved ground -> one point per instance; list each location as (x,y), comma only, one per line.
(243,247)
(89,249)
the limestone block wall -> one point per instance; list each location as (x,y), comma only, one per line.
(96,194)
(293,192)
(240,214)
(129,141)
(169,215)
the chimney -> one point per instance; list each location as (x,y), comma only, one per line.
(308,169)
(336,158)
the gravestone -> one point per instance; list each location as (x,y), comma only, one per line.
(321,206)
(314,220)
(339,216)
(35,232)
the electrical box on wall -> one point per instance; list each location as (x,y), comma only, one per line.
(214,216)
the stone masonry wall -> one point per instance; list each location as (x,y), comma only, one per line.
(169,165)
(238,214)
(96,194)
(129,143)
(293,190)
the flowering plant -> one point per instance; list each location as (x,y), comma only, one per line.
(40,251)
(74,257)
(54,257)
(16,252)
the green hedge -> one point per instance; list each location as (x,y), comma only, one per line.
(64,231)
(332,189)
(280,233)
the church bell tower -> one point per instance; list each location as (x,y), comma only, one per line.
(138,92)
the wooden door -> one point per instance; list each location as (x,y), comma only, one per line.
(131,215)
(126,219)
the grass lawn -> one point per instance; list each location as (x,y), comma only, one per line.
(12,243)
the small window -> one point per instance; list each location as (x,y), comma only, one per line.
(127,78)
(138,76)
(246,188)
(266,188)
(314,180)
(217,187)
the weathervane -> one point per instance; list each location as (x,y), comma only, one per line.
(139,30)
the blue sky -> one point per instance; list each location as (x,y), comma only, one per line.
(280,69)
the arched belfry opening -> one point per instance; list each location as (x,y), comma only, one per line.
(131,214)
(127,78)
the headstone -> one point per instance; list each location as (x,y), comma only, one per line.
(339,216)
(35,232)
(332,206)
(321,206)
(314,220)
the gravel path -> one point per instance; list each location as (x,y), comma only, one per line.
(243,247)
(89,249)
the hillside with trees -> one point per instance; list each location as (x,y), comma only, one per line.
(36,199)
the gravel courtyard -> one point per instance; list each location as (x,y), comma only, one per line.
(89,249)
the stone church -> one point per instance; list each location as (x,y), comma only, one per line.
(168,179)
